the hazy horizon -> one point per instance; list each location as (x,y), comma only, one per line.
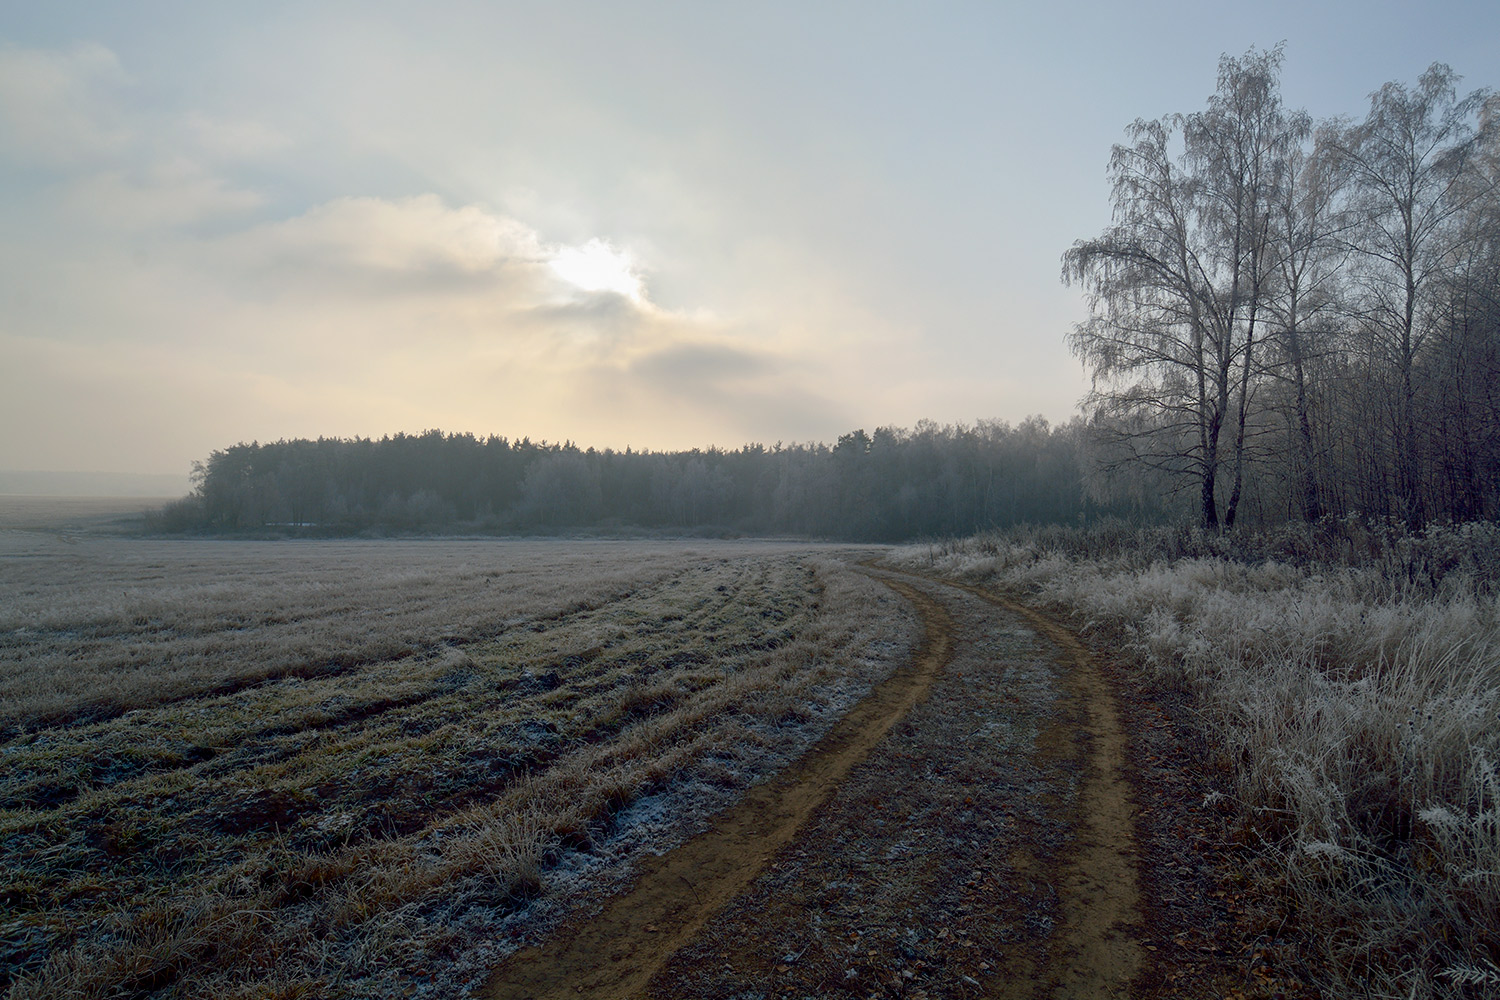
(664,228)
(90,483)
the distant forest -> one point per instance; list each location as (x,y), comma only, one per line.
(1289,320)
(890,485)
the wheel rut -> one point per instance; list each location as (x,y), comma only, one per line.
(965,830)
(1095,953)
(617,952)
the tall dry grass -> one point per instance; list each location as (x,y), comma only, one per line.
(1349,676)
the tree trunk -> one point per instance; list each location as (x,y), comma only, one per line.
(1246,365)
(1407,462)
(1312,509)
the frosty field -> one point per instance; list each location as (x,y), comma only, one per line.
(387,768)
(319,768)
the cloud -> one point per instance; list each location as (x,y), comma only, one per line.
(694,395)
(106,163)
(179,287)
(162,196)
(234,140)
(55,106)
(704,364)
(452,273)
(416,235)
(431,314)
(733,392)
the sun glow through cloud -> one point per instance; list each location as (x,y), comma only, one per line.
(690,225)
(597,267)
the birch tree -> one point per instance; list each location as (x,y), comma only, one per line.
(1148,344)
(1307,229)
(1407,173)
(1241,145)
(1177,283)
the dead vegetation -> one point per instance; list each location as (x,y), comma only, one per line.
(1347,680)
(322,769)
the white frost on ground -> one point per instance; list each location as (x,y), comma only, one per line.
(581,881)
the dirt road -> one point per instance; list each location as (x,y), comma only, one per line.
(965,831)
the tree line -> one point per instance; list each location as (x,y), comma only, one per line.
(1291,319)
(890,485)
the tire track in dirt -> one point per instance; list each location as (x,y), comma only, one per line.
(1096,952)
(615,954)
(1091,949)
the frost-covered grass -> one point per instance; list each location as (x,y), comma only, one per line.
(1349,676)
(350,768)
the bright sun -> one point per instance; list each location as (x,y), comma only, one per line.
(597,267)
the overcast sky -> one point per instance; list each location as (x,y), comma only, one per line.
(647,224)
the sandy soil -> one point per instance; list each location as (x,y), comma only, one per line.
(966,831)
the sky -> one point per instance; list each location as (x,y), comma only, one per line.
(655,225)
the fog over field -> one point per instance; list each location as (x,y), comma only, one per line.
(92,484)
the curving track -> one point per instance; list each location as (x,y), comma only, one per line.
(964,831)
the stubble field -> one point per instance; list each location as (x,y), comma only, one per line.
(377,769)
(372,768)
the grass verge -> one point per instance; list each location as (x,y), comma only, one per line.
(1347,679)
